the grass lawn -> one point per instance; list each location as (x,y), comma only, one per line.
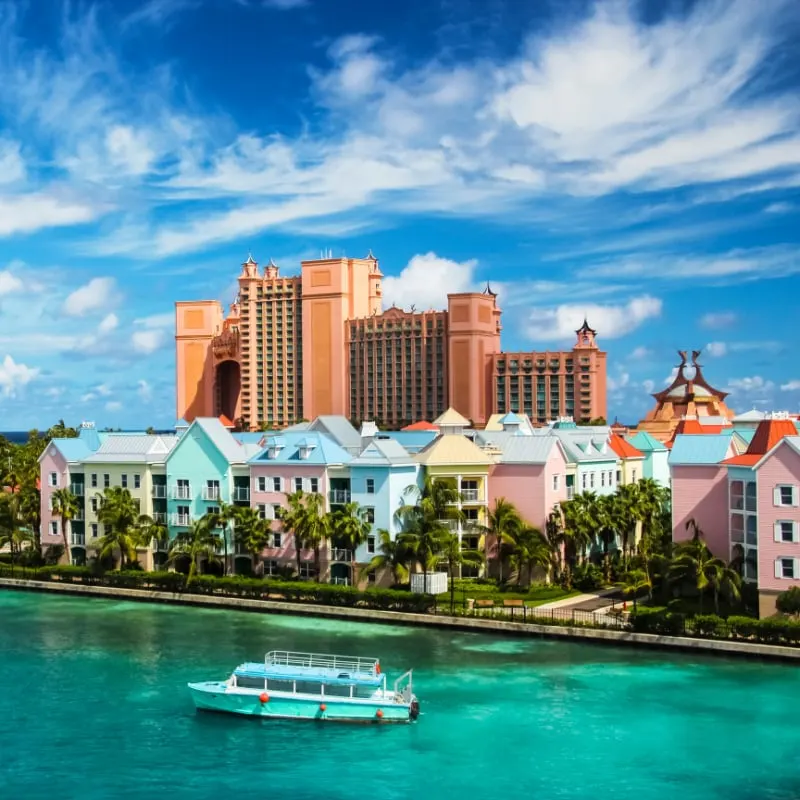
(537,595)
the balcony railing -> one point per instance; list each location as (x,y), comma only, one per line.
(450,524)
(211,493)
(339,496)
(180,520)
(340,554)
(470,496)
(159,491)
(160,546)
(182,492)
(570,492)
(77,489)
(79,517)
(241,494)
(78,540)
(340,581)
(160,517)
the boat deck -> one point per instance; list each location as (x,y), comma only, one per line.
(333,670)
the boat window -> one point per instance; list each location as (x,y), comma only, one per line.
(249,683)
(308,687)
(280,686)
(337,691)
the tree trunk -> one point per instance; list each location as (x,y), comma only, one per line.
(297,552)
(67,554)
(716,600)
(452,593)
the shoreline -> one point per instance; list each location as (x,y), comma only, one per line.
(472,624)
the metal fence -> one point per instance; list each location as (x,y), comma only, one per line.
(604,618)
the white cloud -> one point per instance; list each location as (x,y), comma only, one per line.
(148,341)
(15,376)
(779,208)
(88,397)
(716,349)
(113,405)
(791,386)
(144,390)
(285,5)
(129,150)
(610,321)
(108,323)
(622,380)
(648,385)
(425,281)
(671,377)
(9,282)
(718,319)
(753,389)
(103,390)
(96,295)
(156,321)
(640,353)
(12,165)
(32,212)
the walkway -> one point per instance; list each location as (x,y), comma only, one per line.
(591,601)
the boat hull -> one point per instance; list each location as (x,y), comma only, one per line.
(217,696)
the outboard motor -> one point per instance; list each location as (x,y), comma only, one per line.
(413,711)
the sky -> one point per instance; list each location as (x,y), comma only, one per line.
(634,163)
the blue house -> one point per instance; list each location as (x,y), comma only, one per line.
(656,457)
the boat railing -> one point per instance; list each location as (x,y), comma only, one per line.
(404,686)
(349,664)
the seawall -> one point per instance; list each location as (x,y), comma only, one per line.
(475,624)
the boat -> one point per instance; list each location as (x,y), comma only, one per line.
(311,686)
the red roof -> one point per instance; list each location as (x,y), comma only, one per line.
(225,421)
(622,448)
(422,425)
(768,433)
(744,460)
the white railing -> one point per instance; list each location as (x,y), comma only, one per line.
(160,546)
(79,517)
(470,496)
(350,664)
(181,520)
(77,489)
(241,493)
(78,539)
(340,554)
(211,493)
(159,491)
(450,524)
(182,492)
(339,496)
(570,492)
(160,517)
(341,581)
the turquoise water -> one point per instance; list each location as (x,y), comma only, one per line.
(94,706)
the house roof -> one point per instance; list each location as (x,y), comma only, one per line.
(698,449)
(321,449)
(221,438)
(384,451)
(226,422)
(72,449)
(582,448)
(451,417)
(129,448)
(622,448)
(453,449)
(510,419)
(339,429)
(412,441)
(769,433)
(530,449)
(422,425)
(754,415)
(646,443)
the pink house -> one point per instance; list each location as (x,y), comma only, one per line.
(700,487)
(531,473)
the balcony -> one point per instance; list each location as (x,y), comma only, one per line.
(470,496)
(340,554)
(78,540)
(241,494)
(570,492)
(180,520)
(211,493)
(339,496)
(77,489)
(160,546)
(159,491)
(450,524)
(79,516)
(182,492)
(160,517)
(340,581)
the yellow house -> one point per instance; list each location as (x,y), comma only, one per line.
(452,455)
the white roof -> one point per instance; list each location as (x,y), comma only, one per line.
(136,447)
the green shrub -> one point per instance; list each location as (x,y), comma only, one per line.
(742,627)
(788,602)
(658,621)
(587,577)
(709,625)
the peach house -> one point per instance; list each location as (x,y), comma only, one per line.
(700,487)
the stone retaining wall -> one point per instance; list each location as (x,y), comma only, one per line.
(478,625)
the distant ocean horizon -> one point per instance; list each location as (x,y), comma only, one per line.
(20,437)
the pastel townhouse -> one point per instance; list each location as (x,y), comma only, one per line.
(631,461)
(592,463)
(383,477)
(454,456)
(700,487)
(294,461)
(655,464)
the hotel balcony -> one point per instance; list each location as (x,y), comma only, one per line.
(340,581)
(78,540)
(450,524)
(471,496)
(159,491)
(77,489)
(79,517)
(180,520)
(160,517)
(340,554)
(339,496)
(241,494)
(182,492)
(160,546)
(211,493)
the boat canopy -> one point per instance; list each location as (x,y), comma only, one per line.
(328,669)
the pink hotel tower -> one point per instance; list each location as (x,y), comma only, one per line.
(320,343)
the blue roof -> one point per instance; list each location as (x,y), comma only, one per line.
(90,437)
(645,442)
(510,419)
(74,449)
(699,448)
(413,441)
(248,437)
(181,423)
(323,449)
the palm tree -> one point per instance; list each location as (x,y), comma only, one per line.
(119,513)
(12,530)
(310,523)
(150,534)
(227,514)
(251,533)
(393,554)
(579,523)
(694,563)
(724,579)
(66,506)
(652,508)
(349,525)
(292,521)
(625,511)
(633,582)
(504,522)
(531,550)
(198,541)
(454,555)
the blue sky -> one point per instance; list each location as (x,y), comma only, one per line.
(637,163)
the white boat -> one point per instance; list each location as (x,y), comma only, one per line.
(314,686)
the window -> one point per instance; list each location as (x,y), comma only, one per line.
(371,578)
(556,482)
(591,480)
(53,480)
(94,530)
(619,476)
(751,529)
(786,568)
(277,484)
(369,515)
(123,481)
(306,569)
(212,490)
(583,481)
(106,480)
(212,510)
(298,484)
(370,544)
(785,495)
(261,484)
(277,540)
(54,528)
(94,504)
(602,479)
(262,510)
(737,495)
(271,567)
(108,530)
(94,480)
(313,485)
(786,531)
(750,496)
(633,475)
(370,485)
(137,481)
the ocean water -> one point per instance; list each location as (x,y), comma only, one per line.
(94,705)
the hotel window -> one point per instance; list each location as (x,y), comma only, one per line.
(137,481)
(786,568)
(123,481)
(212,510)
(277,540)
(737,495)
(277,484)
(369,515)
(591,480)
(583,481)
(94,504)
(108,530)
(94,530)
(313,484)
(370,485)
(261,484)
(54,528)
(306,569)
(633,475)
(751,529)
(737,528)
(94,480)
(750,496)
(53,479)
(106,480)
(556,482)
(262,511)
(371,544)
(298,484)
(786,531)
(785,495)
(271,567)
(277,508)
(602,478)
